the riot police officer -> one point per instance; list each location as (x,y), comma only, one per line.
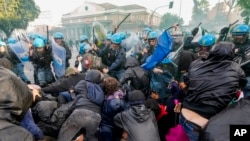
(41,57)
(58,37)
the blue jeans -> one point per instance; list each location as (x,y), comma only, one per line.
(192,130)
(43,75)
(117,74)
(66,95)
(18,70)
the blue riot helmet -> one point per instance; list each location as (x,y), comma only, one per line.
(116,38)
(207,40)
(81,48)
(58,35)
(2,43)
(38,43)
(32,36)
(44,38)
(12,40)
(147,30)
(152,35)
(84,47)
(240,33)
(83,38)
(123,35)
(240,30)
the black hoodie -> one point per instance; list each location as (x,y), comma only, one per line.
(136,74)
(139,122)
(213,83)
(15,99)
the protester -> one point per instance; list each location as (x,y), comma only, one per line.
(138,121)
(19,99)
(213,84)
(86,108)
(113,104)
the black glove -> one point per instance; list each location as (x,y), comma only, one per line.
(224,31)
(195,31)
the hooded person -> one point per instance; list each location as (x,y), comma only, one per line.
(138,77)
(86,115)
(16,99)
(212,85)
(138,120)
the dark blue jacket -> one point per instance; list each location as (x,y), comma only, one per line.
(111,106)
(29,124)
(114,59)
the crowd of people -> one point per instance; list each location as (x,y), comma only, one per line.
(108,96)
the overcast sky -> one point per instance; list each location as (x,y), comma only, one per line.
(65,6)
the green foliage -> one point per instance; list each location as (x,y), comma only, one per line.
(201,7)
(16,14)
(245,4)
(168,20)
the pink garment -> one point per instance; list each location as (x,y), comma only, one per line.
(177,134)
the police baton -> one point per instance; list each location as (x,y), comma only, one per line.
(120,23)
(229,28)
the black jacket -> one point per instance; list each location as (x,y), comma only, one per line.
(139,122)
(213,83)
(42,60)
(138,76)
(64,84)
(114,59)
(16,99)
(68,54)
(186,58)
(218,127)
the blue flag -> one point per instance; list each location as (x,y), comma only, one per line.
(163,48)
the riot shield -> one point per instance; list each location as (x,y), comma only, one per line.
(21,50)
(98,33)
(59,59)
(132,45)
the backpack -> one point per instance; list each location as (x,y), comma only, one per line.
(91,61)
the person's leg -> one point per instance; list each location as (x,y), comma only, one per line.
(41,77)
(105,133)
(192,130)
(21,74)
(120,74)
(80,119)
(92,125)
(66,95)
(49,75)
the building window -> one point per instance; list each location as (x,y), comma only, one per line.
(86,8)
(105,17)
